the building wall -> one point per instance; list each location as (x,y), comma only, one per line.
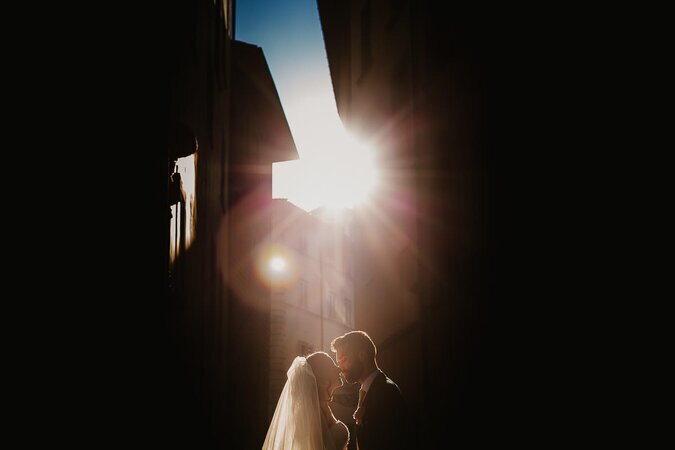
(379,86)
(219,311)
(416,86)
(199,99)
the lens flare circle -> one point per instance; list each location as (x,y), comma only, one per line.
(276,266)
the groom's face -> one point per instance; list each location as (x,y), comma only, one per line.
(350,365)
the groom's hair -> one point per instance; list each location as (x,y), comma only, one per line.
(355,341)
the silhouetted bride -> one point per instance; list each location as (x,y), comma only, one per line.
(303,419)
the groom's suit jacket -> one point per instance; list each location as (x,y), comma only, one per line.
(384,423)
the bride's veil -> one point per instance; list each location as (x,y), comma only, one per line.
(296,424)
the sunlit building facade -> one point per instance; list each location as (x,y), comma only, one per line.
(311,268)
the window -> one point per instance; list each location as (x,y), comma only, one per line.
(302,243)
(347,262)
(302,293)
(348,312)
(183,211)
(332,307)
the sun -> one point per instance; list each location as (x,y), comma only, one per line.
(341,174)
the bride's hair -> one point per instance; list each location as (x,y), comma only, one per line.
(322,365)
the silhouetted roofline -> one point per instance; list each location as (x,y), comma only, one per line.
(253,77)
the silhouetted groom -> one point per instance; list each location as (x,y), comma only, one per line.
(381,416)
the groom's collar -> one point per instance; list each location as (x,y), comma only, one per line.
(369,381)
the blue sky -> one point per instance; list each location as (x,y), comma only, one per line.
(289,33)
(334,169)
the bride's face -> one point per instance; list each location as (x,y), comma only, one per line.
(335,380)
(331,381)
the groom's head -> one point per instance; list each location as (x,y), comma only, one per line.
(355,354)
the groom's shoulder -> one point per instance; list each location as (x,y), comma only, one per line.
(390,395)
(390,385)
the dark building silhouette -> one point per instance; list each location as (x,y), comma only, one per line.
(412,78)
(222,92)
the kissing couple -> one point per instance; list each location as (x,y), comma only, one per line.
(303,419)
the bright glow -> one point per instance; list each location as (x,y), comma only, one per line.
(277,264)
(187,167)
(342,174)
(334,169)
